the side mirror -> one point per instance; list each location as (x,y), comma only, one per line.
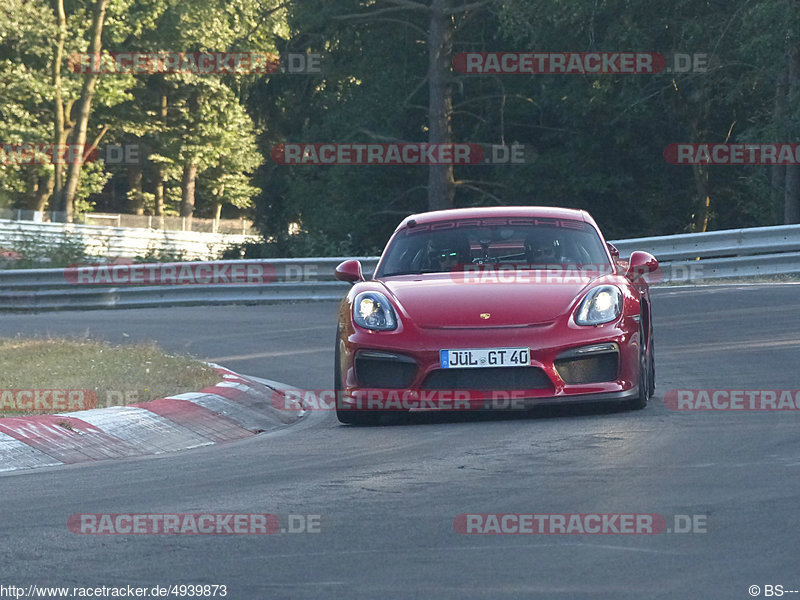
(349,271)
(613,250)
(641,264)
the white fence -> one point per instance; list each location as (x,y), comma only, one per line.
(175,223)
(122,242)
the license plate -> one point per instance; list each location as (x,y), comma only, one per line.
(485,357)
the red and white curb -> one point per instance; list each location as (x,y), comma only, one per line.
(237,407)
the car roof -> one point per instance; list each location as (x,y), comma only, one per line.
(545,212)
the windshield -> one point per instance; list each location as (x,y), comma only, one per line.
(520,243)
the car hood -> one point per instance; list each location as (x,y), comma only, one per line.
(449,300)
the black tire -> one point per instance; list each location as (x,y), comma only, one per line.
(645,367)
(349,416)
(652,378)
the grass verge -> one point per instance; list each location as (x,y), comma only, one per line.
(77,374)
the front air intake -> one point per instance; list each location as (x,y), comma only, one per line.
(488,378)
(589,364)
(384,370)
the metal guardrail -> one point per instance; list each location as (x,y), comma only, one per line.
(278,280)
(687,258)
(731,253)
(712,244)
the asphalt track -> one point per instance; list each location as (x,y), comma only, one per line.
(388,494)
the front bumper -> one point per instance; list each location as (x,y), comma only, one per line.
(416,355)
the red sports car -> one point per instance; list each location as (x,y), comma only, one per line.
(487,308)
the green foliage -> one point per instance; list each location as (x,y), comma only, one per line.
(303,244)
(598,140)
(206,122)
(156,254)
(594,141)
(36,251)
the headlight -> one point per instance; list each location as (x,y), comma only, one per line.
(373,311)
(601,305)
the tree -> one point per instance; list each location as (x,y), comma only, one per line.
(40,99)
(84,109)
(440,16)
(197,122)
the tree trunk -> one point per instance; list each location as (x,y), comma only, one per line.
(87,93)
(135,188)
(159,190)
(220,199)
(44,188)
(703,209)
(59,129)
(158,178)
(791,193)
(441,188)
(187,192)
(31,187)
(702,205)
(217,215)
(778,172)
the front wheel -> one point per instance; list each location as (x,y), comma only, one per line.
(645,368)
(348,416)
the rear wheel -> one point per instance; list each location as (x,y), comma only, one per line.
(348,416)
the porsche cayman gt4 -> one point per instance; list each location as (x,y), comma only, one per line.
(488,308)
